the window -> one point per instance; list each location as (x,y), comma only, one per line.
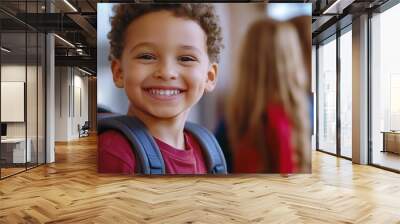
(327,96)
(346,93)
(385,89)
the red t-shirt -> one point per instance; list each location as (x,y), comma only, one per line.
(248,159)
(116,156)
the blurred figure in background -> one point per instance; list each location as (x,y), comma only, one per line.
(302,24)
(267,114)
(303,27)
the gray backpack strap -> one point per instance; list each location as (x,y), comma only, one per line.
(215,158)
(145,148)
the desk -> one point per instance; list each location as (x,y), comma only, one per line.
(391,141)
(15,148)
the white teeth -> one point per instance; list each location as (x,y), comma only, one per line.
(163,92)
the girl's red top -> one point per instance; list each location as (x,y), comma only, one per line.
(248,159)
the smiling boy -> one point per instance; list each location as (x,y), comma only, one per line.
(165,57)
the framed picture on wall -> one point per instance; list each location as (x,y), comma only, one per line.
(12,101)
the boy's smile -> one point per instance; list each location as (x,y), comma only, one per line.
(164,93)
(164,67)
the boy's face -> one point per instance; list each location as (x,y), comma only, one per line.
(164,67)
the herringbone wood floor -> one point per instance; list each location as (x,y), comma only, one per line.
(70,191)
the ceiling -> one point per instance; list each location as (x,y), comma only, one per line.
(330,15)
(72,20)
(76,22)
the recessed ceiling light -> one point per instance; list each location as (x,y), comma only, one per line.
(337,6)
(5,50)
(70,5)
(84,71)
(64,40)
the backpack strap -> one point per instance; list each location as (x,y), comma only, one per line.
(215,157)
(143,144)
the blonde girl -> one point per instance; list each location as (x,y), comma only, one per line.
(267,113)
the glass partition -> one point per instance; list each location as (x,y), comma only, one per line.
(13,109)
(385,89)
(22,89)
(346,93)
(327,96)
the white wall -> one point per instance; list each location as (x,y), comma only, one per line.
(61,103)
(70,83)
(79,117)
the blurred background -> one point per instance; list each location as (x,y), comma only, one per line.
(234,19)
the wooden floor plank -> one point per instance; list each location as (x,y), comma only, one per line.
(71,191)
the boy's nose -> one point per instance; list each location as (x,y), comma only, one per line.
(166,71)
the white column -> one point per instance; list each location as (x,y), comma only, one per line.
(50,92)
(360,90)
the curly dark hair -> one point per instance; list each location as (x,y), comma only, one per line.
(203,14)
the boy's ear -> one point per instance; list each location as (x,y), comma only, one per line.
(118,76)
(211,77)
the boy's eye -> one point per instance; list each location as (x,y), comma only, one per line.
(146,57)
(187,58)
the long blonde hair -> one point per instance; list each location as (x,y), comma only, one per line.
(271,71)
(303,27)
